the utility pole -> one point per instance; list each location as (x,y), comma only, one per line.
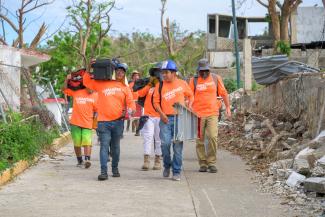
(234,20)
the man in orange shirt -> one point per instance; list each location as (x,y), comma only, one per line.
(173,91)
(150,130)
(206,88)
(84,107)
(113,100)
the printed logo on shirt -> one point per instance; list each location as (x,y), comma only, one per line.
(111,91)
(151,90)
(84,100)
(204,86)
(171,94)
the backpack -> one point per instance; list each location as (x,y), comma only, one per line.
(215,79)
(75,83)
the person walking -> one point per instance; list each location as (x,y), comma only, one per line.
(81,122)
(114,98)
(206,88)
(150,131)
(172,90)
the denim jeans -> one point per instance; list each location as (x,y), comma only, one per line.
(109,132)
(166,137)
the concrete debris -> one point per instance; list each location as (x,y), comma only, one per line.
(295,179)
(301,166)
(303,154)
(318,171)
(321,161)
(316,184)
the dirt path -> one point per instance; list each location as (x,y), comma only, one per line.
(58,188)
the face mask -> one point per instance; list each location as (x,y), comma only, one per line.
(204,74)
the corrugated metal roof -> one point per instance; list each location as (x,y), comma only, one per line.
(270,69)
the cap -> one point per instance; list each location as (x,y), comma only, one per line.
(203,65)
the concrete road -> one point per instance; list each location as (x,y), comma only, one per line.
(57,188)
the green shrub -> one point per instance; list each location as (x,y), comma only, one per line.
(283,47)
(22,139)
(231,84)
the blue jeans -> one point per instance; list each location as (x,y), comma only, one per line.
(166,137)
(109,132)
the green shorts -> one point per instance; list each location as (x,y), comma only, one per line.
(81,136)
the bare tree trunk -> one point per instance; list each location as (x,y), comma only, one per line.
(21,28)
(324,3)
(275,21)
(284,31)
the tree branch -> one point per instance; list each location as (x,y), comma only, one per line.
(37,6)
(13,26)
(38,37)
(262,3)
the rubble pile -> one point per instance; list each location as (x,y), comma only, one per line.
(290,163)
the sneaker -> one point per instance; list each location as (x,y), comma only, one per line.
(212,169)
(177,177)
(80,164)
(166,173)
(102,177)
(203,169)
(87,164)
(116,172)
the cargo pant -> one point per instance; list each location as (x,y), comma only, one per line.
(209,129)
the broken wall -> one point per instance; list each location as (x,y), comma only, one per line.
(10,61)
(299,98)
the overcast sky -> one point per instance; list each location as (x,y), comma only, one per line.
(144,15)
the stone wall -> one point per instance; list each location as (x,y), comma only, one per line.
(297,98)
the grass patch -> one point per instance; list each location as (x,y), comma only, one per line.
(22,139)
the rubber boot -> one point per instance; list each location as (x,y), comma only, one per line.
(146,162)
(157,165)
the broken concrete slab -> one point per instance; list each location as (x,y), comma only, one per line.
(303,154)
(316,184)
(295,179)
(301,166)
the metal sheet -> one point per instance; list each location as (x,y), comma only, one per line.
(186,124)
(270,69)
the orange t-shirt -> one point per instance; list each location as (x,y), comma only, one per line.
(148,107)
(134,94)
(113,98)
(205,99)
(84,106)
(171,93)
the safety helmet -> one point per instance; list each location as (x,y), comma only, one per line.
(169,65)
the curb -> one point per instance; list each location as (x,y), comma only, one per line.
(22,165)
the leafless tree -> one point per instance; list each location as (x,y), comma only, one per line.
(18,23)
(90,18)
(173,47)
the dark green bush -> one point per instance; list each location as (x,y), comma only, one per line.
(22,139)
